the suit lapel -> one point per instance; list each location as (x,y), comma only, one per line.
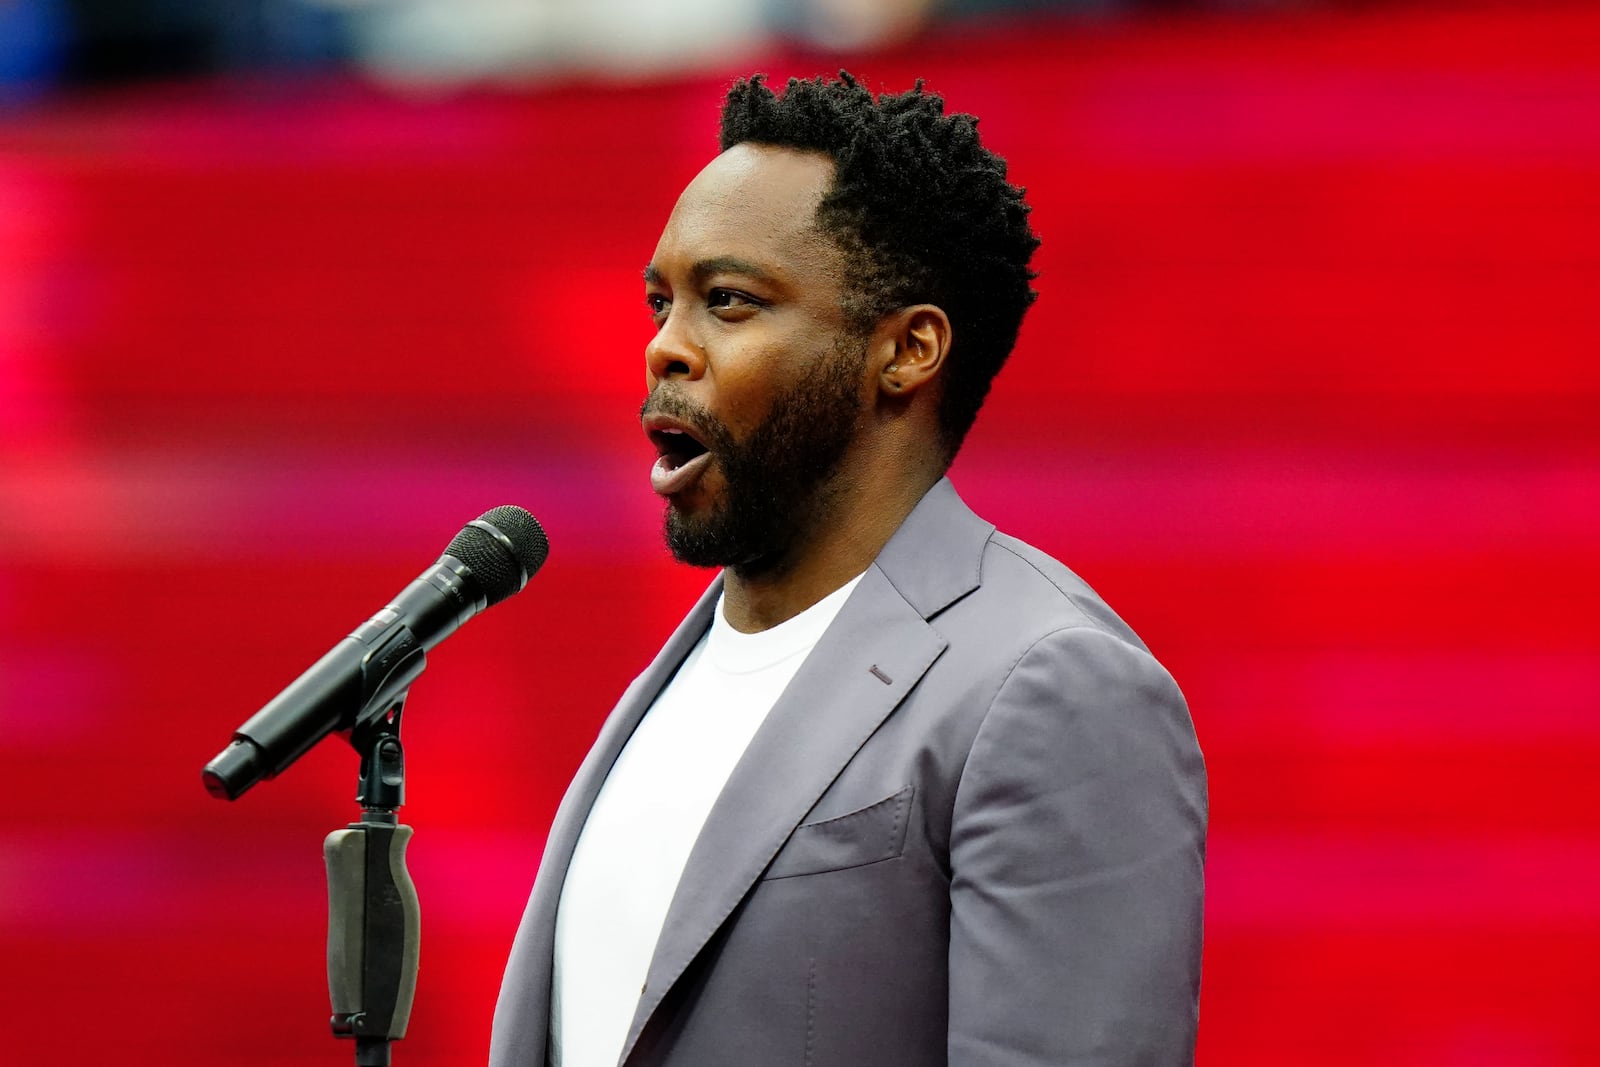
(875,651)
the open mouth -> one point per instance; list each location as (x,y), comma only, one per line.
(675,447)
(680,457)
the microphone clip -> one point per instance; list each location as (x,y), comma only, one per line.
(381,786)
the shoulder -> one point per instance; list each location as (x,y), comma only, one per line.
(1026,598)
(1071,693)
(958,572)
(994,601)
(1032,651)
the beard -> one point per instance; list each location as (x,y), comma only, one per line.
(778,483)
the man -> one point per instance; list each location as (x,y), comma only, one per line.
(900,789)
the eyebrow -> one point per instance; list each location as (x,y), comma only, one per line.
(705,268)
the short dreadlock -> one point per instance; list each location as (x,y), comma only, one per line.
(922,211)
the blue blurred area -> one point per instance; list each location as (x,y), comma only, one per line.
(32,36)
(107,42)
(50,45)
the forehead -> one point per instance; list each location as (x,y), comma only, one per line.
(755,203)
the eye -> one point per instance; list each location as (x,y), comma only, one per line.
(730,299)
(657,304)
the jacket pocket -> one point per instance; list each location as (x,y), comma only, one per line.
(868,835)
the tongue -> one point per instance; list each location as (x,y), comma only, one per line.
(666,478)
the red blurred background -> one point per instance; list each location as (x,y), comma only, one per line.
(1310,395)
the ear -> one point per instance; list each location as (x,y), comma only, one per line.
(913,344)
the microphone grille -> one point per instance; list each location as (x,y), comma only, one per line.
(504,547)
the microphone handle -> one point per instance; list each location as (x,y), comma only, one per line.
(365,672)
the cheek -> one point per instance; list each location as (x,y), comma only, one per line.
(746,386)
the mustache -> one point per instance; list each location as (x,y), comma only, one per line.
(668,401)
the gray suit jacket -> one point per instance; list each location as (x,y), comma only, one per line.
(971,831)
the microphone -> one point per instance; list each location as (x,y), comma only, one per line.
(491,558)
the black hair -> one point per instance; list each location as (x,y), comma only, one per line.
(922,211)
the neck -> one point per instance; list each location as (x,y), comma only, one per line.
(843,542)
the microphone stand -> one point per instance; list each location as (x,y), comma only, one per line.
(373,919)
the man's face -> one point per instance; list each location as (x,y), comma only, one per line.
(755,380)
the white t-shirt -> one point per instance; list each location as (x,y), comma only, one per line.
(647,816)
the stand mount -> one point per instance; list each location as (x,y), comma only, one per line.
(373,918)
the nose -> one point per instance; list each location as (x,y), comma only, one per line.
(673,352)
